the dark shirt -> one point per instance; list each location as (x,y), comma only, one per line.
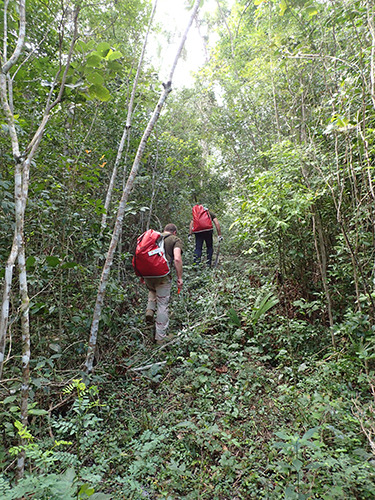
(171,241)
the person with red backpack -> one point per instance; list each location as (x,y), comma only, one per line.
(154,257)
(202,228)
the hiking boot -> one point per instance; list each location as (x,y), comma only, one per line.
(166,339)
(150,316)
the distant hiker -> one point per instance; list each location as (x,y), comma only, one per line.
(153,259)
(201,226)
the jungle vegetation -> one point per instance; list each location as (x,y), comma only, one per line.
(267,390)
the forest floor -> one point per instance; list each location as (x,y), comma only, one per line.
(246,403)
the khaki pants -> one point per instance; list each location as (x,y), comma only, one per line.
(159,292)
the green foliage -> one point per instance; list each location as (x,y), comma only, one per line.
(262,305)
(65,481)
(83,421)
(249,401)
(46,486)
(296,196)
(231,411)
(276,210)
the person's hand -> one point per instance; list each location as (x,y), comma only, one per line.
(220,238)
(179,283)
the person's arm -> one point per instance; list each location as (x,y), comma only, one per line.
(217,225)
(177,260)
(191,228)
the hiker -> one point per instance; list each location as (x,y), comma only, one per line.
(159,288)
(202,228)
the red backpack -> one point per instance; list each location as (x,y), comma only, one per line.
(149,260)
(201,219)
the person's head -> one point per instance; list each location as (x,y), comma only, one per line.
(170,228)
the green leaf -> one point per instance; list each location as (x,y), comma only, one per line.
(94,60)
(262,305)
(103,48)
(81,46)
(52,261)
(20,75)
(233,317)
(86,490)
(114,55)
(289,493)
(39,306)
(282,435)
(312,11)
(302,367)
(69,475)
(30,262)
(99,92)
(55,347)
(308,434)
(36,411)
(188,424)
(297,464)
(69,265)
(283,6)
(114,66)
(95,78)
(9,399)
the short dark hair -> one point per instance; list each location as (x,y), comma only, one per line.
(171,228)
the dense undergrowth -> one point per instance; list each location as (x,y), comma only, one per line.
(249,401)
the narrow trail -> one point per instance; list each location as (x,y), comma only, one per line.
(231,408)
(204,396)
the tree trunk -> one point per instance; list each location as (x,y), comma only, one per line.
(26,346)
(321,255)
(21,185)
(7,105)
(23,162)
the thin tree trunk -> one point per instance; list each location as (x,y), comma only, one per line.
(6,95)
(20,40)
(5,84)
(274,95)
(121,209)
(23,162)
(5,300)
(321,255)
(153,185)
(21,183)
(26,347)
(127,126)
(371,25)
